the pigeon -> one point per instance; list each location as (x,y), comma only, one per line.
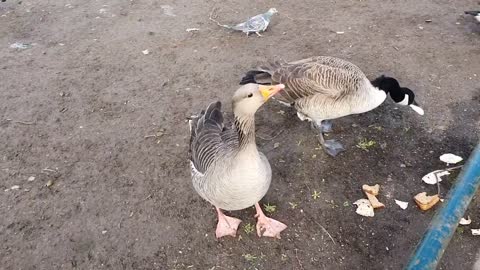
(255,24)
(475,14)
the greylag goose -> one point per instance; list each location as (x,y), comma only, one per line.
(227,169)
(323,88)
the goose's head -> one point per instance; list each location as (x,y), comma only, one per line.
(401,95)
(249,97)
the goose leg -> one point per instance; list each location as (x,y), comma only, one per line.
(258,34)
(267,226)
(226,225)
(325,126)
(332,147)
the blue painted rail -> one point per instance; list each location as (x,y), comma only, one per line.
(443,225)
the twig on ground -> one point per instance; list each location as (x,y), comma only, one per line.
(298,260)
(21,122)
(447,169)
(325,231)
(213,18)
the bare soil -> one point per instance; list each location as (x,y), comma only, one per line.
(85,109)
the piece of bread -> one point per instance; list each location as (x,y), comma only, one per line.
(374,201)
(371,189)
(426,202)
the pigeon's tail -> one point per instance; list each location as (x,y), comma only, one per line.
(473,12)
(238,27)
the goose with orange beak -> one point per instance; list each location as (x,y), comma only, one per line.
(227,169)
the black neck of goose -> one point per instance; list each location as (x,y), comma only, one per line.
(245,127)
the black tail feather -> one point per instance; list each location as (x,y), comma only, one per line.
(250,77)
(473,12)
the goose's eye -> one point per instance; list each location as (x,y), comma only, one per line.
(250,95)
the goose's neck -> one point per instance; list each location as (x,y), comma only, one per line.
(245,127)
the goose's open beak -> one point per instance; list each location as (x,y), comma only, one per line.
(417,108)
(269,91)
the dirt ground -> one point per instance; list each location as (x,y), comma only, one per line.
(85,110)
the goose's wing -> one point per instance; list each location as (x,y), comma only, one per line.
(328,76)
(207,137)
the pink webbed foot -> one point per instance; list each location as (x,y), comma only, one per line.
(226,225)
(266,226)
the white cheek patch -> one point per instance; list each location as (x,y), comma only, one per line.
(417,109)
(477,17)
(404,102)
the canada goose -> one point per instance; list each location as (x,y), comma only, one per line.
(475,14)
(227,169)
(323,88)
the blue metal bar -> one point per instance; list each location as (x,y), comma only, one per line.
(445,222)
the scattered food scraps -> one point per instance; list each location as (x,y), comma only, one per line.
(364,208)
(434,177)
(145,52)
(374,201)
(192,29)
(402,204)
(475,231)
(426,202)
(371,189)
(340,32)
(20,45)
(450,158)
(276,145)
(464,221)
(15,187)
(371,192)
(31,178)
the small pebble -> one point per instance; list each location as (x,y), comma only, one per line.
(31,178)
(49,183)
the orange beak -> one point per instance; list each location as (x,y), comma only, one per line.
(269,91)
